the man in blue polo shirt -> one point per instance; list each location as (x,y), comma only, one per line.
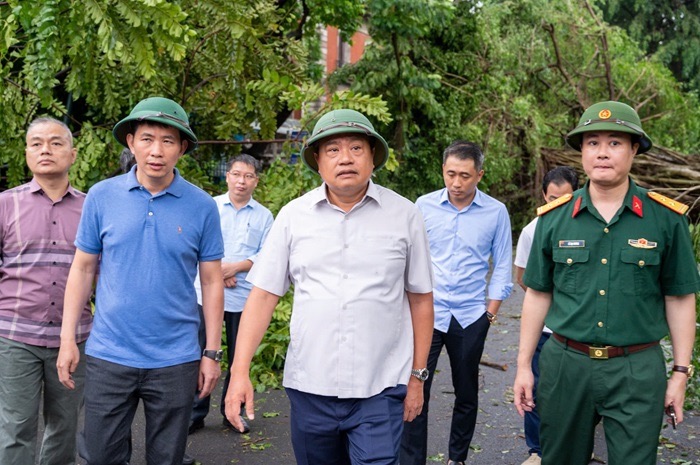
(148,230)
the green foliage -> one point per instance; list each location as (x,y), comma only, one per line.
(232,65)
(515,77)
(667,30)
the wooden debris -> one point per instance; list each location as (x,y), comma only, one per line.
(662,170)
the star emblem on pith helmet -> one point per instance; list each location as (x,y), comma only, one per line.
(604,114)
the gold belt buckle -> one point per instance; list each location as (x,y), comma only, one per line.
(598,353)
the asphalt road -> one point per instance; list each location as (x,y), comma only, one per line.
(498,438)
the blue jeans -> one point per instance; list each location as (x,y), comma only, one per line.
(332,431)
(112,394)
(28,373)
(532,419)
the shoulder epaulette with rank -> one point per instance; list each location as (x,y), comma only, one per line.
(669,203)
(554,204)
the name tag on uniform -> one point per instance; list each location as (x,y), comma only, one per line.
(572,244)
(642,243)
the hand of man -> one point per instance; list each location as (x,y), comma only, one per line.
(230,282)
(413,404)
(209,372)
(522,390)
(240,392)
(67,363)
(675,394)
(229,270)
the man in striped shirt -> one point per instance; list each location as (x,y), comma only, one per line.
(38,223)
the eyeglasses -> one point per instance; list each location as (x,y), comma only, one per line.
(246,176)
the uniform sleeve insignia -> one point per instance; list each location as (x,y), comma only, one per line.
(554,204)
(669,203)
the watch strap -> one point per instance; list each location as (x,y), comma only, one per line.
(688,370)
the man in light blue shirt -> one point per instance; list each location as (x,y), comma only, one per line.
(244,225)
(466,228)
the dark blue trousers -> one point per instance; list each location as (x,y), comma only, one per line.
(532,419)
(333,431)
(464,348)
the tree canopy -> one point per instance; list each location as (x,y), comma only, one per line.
(238,67)
(515,77)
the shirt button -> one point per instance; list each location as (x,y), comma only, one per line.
(604,261)
(54,242)
(53,303)
(601,292)
(345,276)
(150,213)
(600,324)
(641,262)
(606,230)
(346,246)
(569,261)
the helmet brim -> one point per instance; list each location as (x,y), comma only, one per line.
(125,126)
(381,148)
(575,137)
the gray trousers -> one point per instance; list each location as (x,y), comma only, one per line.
(29,372)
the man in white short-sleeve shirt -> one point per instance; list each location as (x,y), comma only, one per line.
(359,259)
(556,183)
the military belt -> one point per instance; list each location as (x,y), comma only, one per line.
(602,352)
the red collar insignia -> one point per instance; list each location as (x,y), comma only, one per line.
(637,206)
(577,207)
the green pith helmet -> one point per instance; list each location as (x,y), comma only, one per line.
(160,110)
(344,122)
(609,116)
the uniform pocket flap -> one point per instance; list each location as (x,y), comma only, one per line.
(640,257)
(570,256)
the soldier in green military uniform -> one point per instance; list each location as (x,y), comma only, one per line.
(612,270)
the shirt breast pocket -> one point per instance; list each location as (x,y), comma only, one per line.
(570,269)
(252,238)
(640,271)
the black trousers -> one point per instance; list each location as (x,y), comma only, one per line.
(200,409)
(464,348)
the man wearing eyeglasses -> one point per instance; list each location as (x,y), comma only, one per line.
(244,225)
(148,230)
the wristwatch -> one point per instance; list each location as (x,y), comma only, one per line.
(689,370)
(216,355)
(492,318)
(422,374)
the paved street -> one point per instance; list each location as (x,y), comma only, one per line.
(498,439)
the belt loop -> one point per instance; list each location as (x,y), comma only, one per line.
(626,350)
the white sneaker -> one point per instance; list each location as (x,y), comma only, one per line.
(534,459)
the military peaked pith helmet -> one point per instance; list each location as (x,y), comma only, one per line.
(609,116)
(344,122)
(160,110)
